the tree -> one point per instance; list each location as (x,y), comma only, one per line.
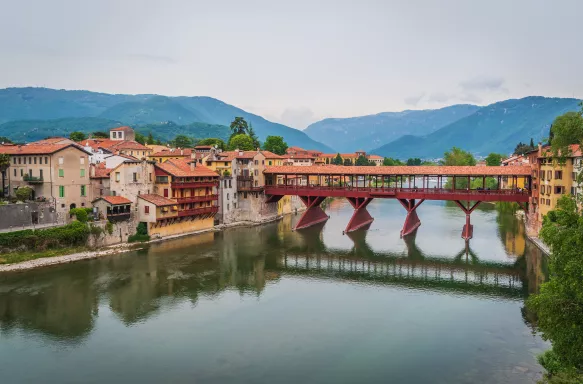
(253,137)
(23,193)
(238,126)
(347,162)
(389,161)
(77,136)
(242,142)
(4,165)
(361,161)
(275,144)
(181,141)
(337,160)
(140,138)
(415,161)
(567,129)
(494,159)
(213,141)
(100,135)
(457,156)
(150,139)
(559,305)
(531,143)
(522,148)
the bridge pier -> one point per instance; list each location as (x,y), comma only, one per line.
(360,217)
(412,221)
(468,230)
(314,214)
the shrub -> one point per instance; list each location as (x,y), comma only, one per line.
(226,172)
(141,234)
(23,193)
(72,234)
(80,214)
(109,227)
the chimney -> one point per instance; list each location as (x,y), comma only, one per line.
(181,152)
(192,165)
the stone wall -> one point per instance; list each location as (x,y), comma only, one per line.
(17,216)
(121,231)
(252,207)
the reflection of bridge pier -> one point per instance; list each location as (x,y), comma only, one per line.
(362,184)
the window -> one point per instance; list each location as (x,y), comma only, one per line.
(14,159)
(235,205)
(41,174)
(559,190)
(225,183)
(82,160)
(165,192)
(34,159)
(82,172)
(256,162)
(21,172)
(29,160)
(117,177)
(226,163)
(227,196)
(30,173)
(573,191)
(46,160)
(150,176)
(113,193)
(227,206)
(147,209)
(574,176)
(14,172)
(82,190)
(132,153)
(61,191)
(230,184)
(558,175)
(61,172)
(269,162)
(61,160)
(256,172)
(549,175)
(161,179)
(262,162)
(135,177)
(19,160)
(24,160)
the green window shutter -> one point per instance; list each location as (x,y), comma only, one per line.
(61,173)
(61,191)
(82,190)
(82,172)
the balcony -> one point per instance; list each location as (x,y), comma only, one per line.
(198,211)
(194,184)
(244,178)
(116,217)
(33,179)
(197,199)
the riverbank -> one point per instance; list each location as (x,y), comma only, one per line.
(64,256)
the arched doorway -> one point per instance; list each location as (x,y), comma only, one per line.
(72,206)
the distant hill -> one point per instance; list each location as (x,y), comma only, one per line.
(18,104)
(31,130)
(371,131)
(495,128)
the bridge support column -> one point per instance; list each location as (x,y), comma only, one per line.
(412,221)
(314,214)
(360,217)
(468,230)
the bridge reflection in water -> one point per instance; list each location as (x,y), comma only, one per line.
(64,302)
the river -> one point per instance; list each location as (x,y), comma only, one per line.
(270,305)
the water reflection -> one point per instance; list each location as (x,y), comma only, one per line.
(63,302)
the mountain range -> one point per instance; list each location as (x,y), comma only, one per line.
(497,128)
(98,111)
(372,131)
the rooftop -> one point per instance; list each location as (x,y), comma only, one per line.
(114,200)
(35,149)
(400,170)
(157,200)
(182,168)
(124,128)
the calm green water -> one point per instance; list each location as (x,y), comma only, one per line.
(269,305)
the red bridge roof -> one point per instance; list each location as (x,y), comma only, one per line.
(442,170)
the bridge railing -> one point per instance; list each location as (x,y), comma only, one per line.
(393,190)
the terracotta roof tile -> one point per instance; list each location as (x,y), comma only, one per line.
(181,168)
(124,128)
(52,140)
(401,170)
(101,172)
(157,200)
(114,200)
(271,155)
(173,153)
(33,149)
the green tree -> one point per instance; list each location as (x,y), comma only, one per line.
(494,159)
(140,138)
(4,165)
(238,126)
(77,136)
(100,135)
(559,305)
(23,193)
(182,141)
(253,136)
(150,139)
(275,144)
(337,160)
(457,156)
(242,142)
(567,129)
(389,161)
(415,161)
(362,161)
(347,162)
(213,141)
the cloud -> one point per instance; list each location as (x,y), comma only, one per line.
(299,117)
(483,83)
(470,98)
(414,100)
(151,58)
(439,97)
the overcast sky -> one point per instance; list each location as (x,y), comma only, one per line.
(298,61)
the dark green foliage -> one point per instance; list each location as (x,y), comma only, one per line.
(253,136)
(559,305)
(522,148)
(457,156)
(415,161)
(77,136)
(239,126)
(72,234)
(80,214)
(363,161)
(494,128)
(140,235)
(182,141)
(567,129)
(275,144)
(347,162)
(23,193)
(389,161)
(494,159)
(140,138)
(337,160)
(31,130)
(169,130)
(99,135)
(109,227)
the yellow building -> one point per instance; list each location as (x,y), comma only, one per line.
(170,154)
(556,179)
